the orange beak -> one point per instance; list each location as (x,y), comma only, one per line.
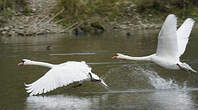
(20,64)
(114,57)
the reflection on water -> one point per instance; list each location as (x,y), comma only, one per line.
(158,100)
(58,102)
(68,54)
(172,100)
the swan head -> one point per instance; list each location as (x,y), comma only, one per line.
(118,55)
(114,57)
(23,62)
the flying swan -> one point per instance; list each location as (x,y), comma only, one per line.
(171,45)
(60,75)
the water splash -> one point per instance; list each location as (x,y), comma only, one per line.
(160,83)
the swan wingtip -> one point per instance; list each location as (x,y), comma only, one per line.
(192,20)
(25,84)
(171,14)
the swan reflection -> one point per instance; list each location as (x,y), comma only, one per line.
(58,102)
(172,100)
(155,99)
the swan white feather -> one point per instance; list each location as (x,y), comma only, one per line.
(59,76)
(183,34)
(167,40)
(171,45)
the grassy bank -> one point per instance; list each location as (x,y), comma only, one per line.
(89,16)
(109,10)
(182,8)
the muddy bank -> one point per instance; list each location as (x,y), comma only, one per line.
(42,19)
(77,29)
(29,26)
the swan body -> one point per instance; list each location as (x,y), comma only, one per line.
(171,45)
(60,75)
(163,62)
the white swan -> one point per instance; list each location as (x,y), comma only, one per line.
(60,75)
(171,45)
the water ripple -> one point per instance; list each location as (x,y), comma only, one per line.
(142,91)
(70,54)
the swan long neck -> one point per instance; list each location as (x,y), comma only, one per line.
(39,64)
(145,58)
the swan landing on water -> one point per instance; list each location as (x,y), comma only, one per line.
(60,75)
(171,45)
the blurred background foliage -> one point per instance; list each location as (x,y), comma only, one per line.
(109,9)
(83,9)
(6,5)
(167,6)
(103,10)
(8,8)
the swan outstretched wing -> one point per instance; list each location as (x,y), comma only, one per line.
(167,39)
(56,77)
(183,34)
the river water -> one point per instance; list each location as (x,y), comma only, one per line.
(133,85)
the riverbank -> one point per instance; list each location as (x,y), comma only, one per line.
(79,17)
(38,19)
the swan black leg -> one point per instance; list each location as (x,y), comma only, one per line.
(181,67)
(91,76)
(92,79)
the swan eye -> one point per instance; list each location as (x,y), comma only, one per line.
(22,61)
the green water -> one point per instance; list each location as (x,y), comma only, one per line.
(133,85)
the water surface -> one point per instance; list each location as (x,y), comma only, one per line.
(133,84)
